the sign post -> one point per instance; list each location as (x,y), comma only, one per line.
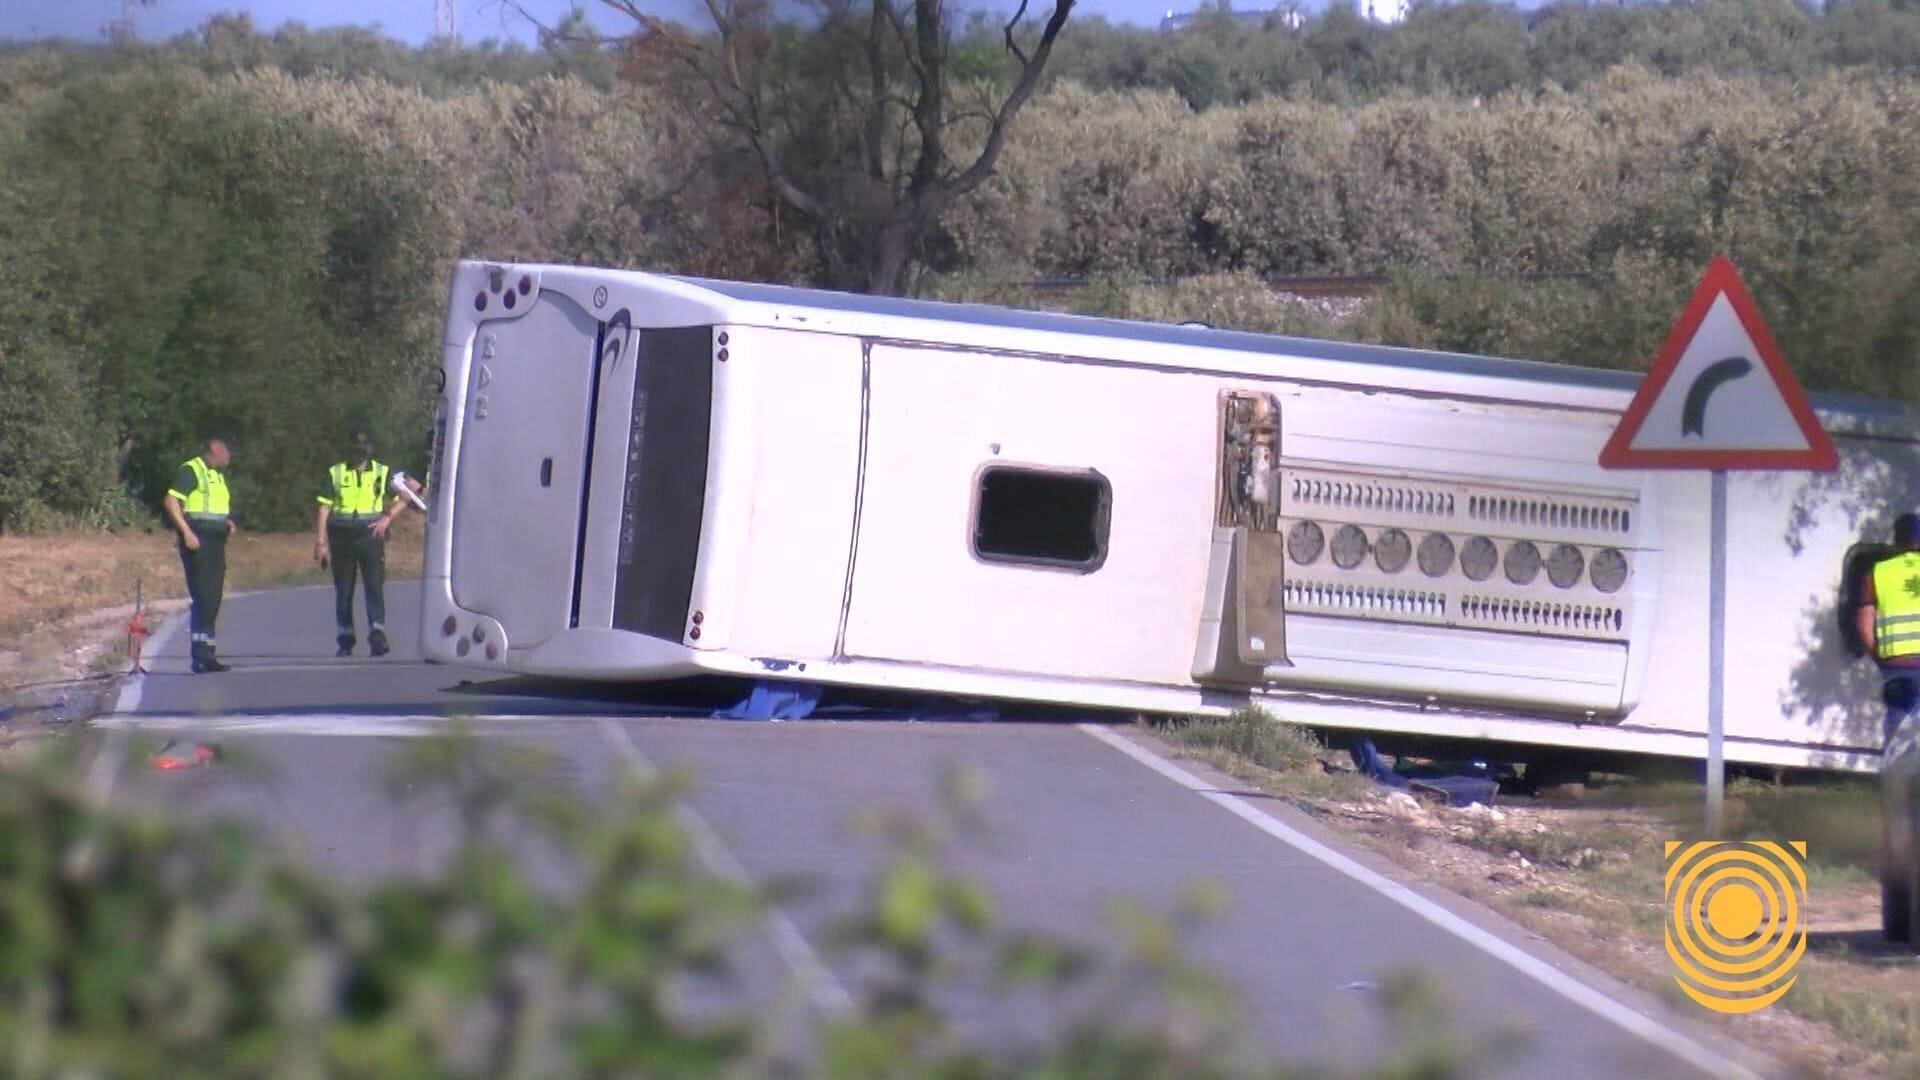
(1717,659)
(1719,397)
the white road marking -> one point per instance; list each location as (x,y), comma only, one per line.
(821,985)
(106,769)
(1552,978)
(135,686)
(330,724)
(341,724)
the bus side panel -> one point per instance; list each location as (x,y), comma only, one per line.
(794,412)
(1510,475)
(1669,589)
(1790,676)
(937,419)
(926,591)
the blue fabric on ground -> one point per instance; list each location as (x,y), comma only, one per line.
(775,701)
(1458,790)
(1370,764)
(801,701)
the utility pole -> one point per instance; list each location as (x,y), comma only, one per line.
(444,24)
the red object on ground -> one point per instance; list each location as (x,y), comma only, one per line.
(178,756)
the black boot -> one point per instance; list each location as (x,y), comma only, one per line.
(204,661)
(345,641)
(377,642)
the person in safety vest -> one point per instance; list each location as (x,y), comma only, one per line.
(350,530)
(200,509)
(1889,617)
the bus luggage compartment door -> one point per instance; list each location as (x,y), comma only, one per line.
(519,482)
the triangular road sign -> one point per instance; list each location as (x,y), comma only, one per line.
(1719,396)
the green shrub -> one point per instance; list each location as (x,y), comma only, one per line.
(128,939)
(1252,735)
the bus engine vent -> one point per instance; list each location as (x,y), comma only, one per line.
(1510,614)
(1550,514)
(1358,494)
(1333,599)
(1463,552)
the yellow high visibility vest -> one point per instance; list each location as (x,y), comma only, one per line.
(1896,602)
(209,497)
(357,494)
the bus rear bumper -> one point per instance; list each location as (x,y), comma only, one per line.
(598,654)
(607,655)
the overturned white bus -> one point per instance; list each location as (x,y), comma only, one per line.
(643,477)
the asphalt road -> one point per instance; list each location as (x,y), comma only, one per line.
(1078,815)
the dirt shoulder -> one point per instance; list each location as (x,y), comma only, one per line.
(66,599)
(1585,872)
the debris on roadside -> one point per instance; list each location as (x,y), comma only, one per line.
(1401,804)
(183,755)
(1481,811)
(1583,858)
(1456,789)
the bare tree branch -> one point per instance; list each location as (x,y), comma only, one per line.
(1013,23)
(906,42)
(871,169)
(1030,70)
(931,114)
(877,76)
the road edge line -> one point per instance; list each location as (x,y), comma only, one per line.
(823,987)
(1621,1015)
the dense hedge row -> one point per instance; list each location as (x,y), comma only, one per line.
(196,235)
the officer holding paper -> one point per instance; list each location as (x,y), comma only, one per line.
(356,508)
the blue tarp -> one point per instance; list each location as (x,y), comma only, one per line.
(1459,790)
(1368,761)
(775,701)
(800,701)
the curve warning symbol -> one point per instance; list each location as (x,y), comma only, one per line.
(1693,415)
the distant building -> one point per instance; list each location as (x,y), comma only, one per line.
(1380,11)
(1287,17)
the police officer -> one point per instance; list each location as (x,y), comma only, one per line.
(350,528)
(200,509)
(1889,616)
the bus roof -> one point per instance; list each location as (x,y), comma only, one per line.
(1430,361)
(1169,334)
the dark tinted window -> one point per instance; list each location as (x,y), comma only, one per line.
(1042,518)
(666,481)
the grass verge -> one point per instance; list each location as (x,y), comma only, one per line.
(66,597)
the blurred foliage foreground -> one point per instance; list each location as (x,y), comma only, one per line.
(136,945)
